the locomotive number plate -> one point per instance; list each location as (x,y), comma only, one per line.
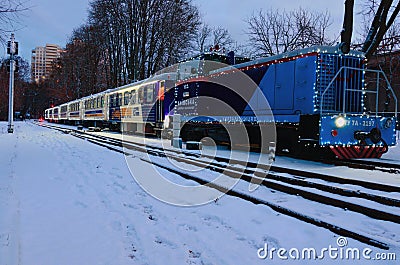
(364,123)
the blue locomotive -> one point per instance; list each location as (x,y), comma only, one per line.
(320,97)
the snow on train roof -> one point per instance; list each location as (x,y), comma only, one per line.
(163,76)
(314,49)
(156,77)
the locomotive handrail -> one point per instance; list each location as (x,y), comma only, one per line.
(169,107)
(345,89)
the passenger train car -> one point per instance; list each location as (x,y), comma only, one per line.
(52,114)
(74,114)
(136,108)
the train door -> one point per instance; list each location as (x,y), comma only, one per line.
(284,86)
(160,101)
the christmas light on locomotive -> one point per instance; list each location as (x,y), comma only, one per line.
(319,98)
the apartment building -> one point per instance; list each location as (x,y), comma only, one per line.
(42,61)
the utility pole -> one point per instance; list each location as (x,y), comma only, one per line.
(12,49)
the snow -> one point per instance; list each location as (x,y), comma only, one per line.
(393,156)
(64,200)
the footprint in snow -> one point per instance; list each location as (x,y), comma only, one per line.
(164,242)
(193,258)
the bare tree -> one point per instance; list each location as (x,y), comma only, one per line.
(141,37)
(376,20)
(21,86)
(9,14)
(123,41)
(272,32)
(202,37)
(380,40)
(207,37)
(222,37)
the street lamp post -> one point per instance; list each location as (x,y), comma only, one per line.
(12,49)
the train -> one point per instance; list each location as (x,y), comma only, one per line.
(318,98)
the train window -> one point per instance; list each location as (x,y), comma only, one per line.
(149,94)
(133,97)
(119,99)
(126,98)
(141,95)
(102,102)
(110,102)
(97,102)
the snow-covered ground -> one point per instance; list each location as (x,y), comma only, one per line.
(66,201)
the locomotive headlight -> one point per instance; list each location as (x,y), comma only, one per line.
(340,122)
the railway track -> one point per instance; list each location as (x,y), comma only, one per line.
(364,164)
(327,191)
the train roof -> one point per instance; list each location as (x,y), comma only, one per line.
(158,77)
(314,49)
(91,96)
(216,56)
